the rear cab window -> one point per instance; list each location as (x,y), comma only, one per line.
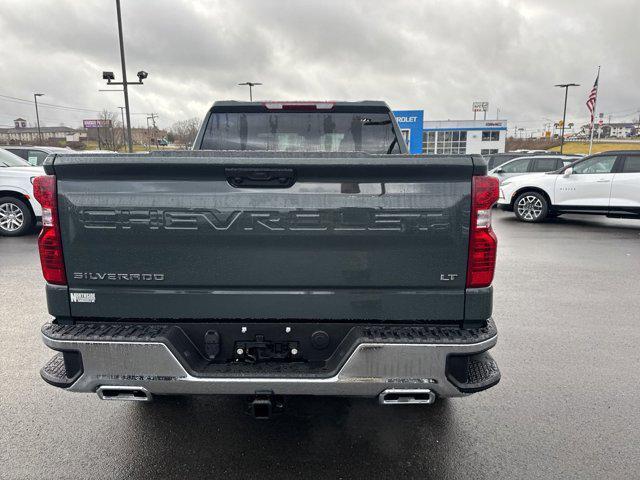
(259,128)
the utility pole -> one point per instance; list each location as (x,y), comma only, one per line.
(250,85)
(564,113)
(124,135)
(124,76)
(35,100)
(152,117)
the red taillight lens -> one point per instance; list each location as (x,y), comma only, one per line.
(483,243)
(49,241)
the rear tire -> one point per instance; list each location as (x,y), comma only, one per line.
(15,217)
(531,207)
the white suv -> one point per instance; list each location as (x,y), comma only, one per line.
(607,183)
(19,210)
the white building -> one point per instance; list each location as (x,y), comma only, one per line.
(21,134)
(621,130)
(483,137)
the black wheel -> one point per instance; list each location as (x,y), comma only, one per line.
(531,207)
(15,217)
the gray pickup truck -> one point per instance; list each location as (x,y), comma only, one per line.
(297,251)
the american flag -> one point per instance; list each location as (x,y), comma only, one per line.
(591,101)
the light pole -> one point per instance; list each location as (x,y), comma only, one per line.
(564,113)
(35,100)
(250,85)
(109,77)
(124,135)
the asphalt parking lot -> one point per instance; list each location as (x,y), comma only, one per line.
(567,305)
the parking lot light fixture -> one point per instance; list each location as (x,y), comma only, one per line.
(250,85)
(564,113)
(110,77)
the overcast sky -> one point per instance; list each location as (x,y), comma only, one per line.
(439,56)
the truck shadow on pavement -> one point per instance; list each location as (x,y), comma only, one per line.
(313,438)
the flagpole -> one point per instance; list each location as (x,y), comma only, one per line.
(593,114)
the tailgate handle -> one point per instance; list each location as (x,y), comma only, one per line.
(260,177)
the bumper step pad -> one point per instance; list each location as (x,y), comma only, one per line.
(107,332)
(473,373)
(429,334)
(56,373)
(381,334)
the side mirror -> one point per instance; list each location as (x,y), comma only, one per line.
(498,170)
(567,172)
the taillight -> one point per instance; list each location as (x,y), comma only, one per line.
(483,243)
(49,241)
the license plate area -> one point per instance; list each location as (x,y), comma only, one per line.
(262,350)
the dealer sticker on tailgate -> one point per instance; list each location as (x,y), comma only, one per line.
(83,297)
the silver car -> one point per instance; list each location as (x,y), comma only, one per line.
(35,155)
(532,164)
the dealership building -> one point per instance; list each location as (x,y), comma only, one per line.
(447,137)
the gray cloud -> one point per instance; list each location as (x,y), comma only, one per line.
(438,56)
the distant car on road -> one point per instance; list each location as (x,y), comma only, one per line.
(35,155)
(19,209)
(606,183)
(532,164)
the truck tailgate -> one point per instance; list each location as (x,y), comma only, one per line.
(215,235)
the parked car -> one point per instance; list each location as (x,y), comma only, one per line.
(35,155)
(496,159)
(606,183)
(19,209)
(530,164)
(312,262)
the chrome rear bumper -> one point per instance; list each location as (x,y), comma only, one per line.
(369,369)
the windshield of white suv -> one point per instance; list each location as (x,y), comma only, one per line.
(8,159)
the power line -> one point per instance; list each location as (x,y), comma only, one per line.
(24,101)
(48,105)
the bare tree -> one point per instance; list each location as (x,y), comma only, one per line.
(184,132)
(111,137)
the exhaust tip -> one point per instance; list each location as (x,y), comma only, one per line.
(124,393)
(399,396)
